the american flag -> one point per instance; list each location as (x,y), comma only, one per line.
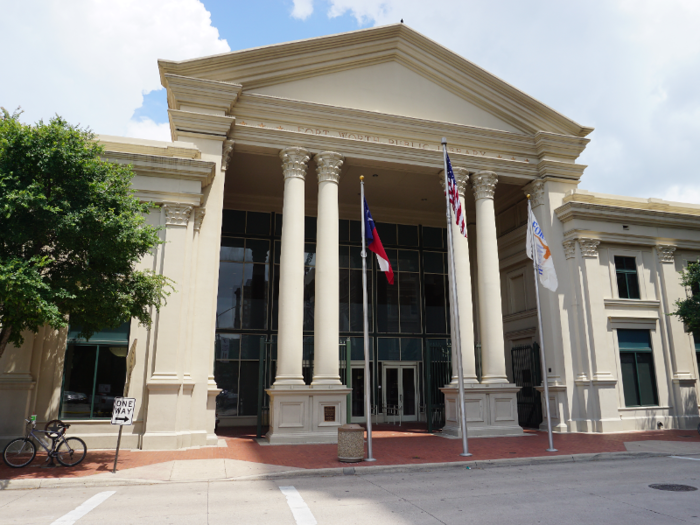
(454,197)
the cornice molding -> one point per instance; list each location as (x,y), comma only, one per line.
(167,167)
(484,184)
(294,160)
(328,165)
(558,146)
(626,215)
(212,95)
(199,125)
(177,214)
(666,253)
(307,58)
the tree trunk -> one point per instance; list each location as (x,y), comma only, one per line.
(4,338)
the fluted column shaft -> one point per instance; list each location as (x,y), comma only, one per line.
(327,308)
(490,308)
(290,337)
(464,288)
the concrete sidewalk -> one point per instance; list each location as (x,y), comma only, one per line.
(396,450)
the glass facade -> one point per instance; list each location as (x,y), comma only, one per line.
(402,316)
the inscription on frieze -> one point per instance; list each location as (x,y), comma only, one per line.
(393,141)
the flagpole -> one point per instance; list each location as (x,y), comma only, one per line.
(456,344)
(365,309)
(545,382)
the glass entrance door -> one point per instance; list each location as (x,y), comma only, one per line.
(400,392)
(358,393)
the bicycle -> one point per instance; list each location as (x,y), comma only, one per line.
(69,452)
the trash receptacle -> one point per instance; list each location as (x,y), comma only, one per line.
(351,443)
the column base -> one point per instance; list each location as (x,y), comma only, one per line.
(306,415)
(492,410)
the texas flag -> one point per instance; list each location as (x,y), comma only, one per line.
(375,245)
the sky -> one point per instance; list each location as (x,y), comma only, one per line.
(628,68)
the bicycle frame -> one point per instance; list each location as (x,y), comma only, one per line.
(55,441)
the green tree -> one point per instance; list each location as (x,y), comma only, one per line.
(688,309)
(71,233)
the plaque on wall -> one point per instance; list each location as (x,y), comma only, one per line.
(329,414)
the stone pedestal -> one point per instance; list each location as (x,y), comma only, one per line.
(492,410)
(305,414)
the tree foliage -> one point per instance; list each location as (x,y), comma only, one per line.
(688,309)
(71,233)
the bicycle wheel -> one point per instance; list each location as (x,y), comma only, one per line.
(19,453)
(71,451)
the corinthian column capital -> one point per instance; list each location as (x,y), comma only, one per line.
(589,247)
(536,191)
(484,184)
(666,253)
(294,161)
(461,176)
(177,214)
(328,164)
(199,217)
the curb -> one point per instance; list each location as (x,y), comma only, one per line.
(44,483)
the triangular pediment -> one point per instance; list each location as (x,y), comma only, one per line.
(392,70)
(392,88)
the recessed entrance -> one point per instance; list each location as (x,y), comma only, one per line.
(400,392)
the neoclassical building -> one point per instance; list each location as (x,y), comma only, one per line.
(257,197)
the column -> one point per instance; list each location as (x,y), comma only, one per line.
(326,315)
(464,287)
(290,337)
(490,308)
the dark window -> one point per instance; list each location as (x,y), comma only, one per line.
(244,275)
(94,374)
(627,282)
(637,361)
(236,373)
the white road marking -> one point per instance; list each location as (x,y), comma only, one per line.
(80,511)
(300,510)
(683,457)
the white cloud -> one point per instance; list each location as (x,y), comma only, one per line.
(302,9)
(629,68)
(91,61)
(145,128)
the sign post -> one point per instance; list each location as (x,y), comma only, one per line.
(124,407)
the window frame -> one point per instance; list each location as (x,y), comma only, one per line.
(627,273)
(649,350)
(98,340)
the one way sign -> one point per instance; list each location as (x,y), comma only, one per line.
(123,411)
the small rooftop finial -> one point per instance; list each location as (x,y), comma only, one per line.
(402,20)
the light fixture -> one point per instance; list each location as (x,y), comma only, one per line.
(119,351)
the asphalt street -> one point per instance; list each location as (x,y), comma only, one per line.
(589,492)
